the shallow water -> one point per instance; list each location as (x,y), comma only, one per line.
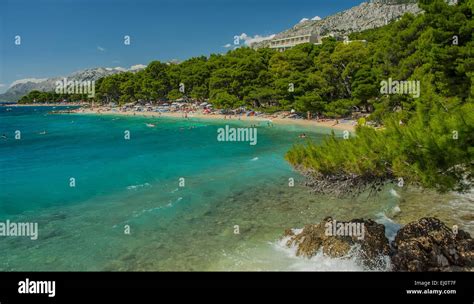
(135,183)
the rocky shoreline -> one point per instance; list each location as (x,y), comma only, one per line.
(341,184)
(424,245)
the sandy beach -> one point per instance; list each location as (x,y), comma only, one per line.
(348,125)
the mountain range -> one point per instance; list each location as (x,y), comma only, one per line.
(22,87)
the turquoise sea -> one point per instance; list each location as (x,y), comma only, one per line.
(135,184)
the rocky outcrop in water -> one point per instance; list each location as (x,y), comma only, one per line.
(424,245)
(362,239)
(429,245)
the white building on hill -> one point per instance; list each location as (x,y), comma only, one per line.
(283,43)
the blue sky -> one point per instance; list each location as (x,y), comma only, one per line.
(59,37)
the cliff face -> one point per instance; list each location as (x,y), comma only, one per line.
(367,15)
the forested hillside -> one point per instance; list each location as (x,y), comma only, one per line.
(426,141)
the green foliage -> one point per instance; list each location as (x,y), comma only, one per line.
(225,100)
(434,149)
(427,141)
(50,97)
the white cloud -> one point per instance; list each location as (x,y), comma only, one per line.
(2,85)
(34,80)
(101,49)
(315,18)
(137,67)
(118,68)
(249,40)
(132,68)
(228,45)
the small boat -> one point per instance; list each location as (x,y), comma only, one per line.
(42,133)
(150,125)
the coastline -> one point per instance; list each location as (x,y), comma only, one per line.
(248,191)
(348,125)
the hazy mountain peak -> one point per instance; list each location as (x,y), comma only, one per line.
(22,87)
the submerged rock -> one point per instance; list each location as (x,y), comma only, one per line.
(363,239)
(429,245)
